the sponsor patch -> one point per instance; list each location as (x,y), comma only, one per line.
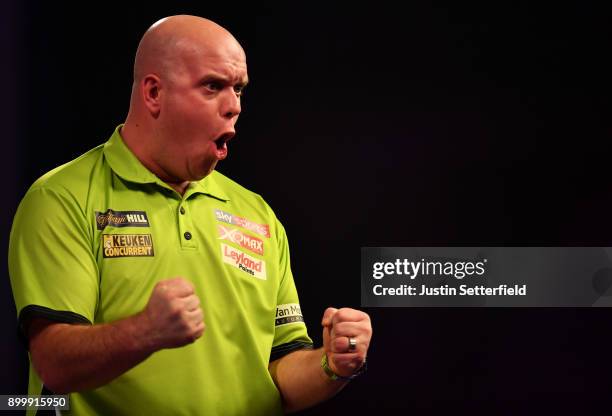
(121,219)
(261,229)
(127,245)
(234,235)
(243,261)
(288,313)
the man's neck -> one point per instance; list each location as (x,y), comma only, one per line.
(129,134)
(181,188)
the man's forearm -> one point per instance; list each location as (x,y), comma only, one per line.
(301,380)
(79,357)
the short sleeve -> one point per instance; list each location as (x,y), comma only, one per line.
(290,331)
(52,268)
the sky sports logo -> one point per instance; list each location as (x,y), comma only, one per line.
(243,261)
(234,235)
(261,229)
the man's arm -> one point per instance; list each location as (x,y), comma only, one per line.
(301,380)
(299,376)
(79,357)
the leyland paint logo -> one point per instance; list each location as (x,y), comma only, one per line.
(127,245)
(243,261)
(234,235)
(288,314)
(261,229)
(121,219)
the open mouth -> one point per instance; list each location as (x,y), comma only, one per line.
(221,141)
(221,144)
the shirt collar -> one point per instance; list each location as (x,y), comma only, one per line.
(125,164)
(209,186)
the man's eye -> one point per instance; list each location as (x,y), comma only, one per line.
(239,90)
(213,86)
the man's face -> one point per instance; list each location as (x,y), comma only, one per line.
(200,104)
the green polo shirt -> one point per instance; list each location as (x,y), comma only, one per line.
(91,239)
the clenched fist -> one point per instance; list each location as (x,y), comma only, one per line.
(173,315)
(340,326)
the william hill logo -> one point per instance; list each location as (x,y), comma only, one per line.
(127,245)
(121,219)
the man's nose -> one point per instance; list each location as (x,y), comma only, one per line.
(231,104)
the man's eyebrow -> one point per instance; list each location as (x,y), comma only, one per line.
(222,79)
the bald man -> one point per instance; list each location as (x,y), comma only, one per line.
(152,284)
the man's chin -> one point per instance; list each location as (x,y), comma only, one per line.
(201,174)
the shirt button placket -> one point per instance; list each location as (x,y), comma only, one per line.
(185,228)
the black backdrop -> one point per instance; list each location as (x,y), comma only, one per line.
(434,124)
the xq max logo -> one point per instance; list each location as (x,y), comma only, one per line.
(234,235)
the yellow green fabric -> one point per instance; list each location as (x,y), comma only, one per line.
(90,240)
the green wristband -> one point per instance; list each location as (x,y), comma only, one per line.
(330,373)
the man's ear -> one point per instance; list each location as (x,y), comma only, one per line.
(150,88)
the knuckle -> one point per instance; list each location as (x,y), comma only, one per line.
(197,331)
(180,320)
(341,316)
(329,312)
(341,328)
(338,344)
(333,333)
(175,309)
(345,311)
(161,291)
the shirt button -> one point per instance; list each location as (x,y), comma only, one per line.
(187,235)
(182,211)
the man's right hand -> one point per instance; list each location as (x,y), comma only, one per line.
(70,357)
(173,316)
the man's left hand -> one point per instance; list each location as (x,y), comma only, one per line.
(346,339)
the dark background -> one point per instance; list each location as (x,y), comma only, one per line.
(434,124)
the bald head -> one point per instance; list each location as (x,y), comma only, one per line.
(165,46)
(189,76)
